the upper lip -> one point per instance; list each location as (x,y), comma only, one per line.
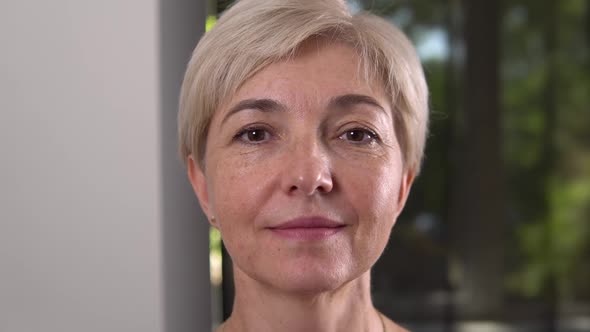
(309,222)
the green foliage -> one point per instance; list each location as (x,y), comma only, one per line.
(211,20)
(546,125)
(214,241)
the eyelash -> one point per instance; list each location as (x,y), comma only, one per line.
(373,136)
(241,133)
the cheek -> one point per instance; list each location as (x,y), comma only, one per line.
(238,187)
(374,188)
(373,191)
(387,193)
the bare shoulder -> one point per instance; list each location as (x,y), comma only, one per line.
(390,326)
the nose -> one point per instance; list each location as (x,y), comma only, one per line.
(307,171)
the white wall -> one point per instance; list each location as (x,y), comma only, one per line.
(91,197)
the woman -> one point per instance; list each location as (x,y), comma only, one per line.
(302,128)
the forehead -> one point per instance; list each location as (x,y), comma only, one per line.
(316,73)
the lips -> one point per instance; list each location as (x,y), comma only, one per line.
(313,228)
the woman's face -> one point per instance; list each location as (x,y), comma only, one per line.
(303,172)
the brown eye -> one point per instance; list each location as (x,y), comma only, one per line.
(253,135)
(256,135)
(359,136)
(356,135)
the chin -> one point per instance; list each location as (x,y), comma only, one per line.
(303,272)
(310,279)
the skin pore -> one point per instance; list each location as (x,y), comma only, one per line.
(305,138)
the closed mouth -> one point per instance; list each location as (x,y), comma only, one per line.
(314,228)
(309,222)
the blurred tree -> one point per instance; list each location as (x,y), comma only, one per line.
(477,204)
(547,148)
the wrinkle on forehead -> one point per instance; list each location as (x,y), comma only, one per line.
(321,82)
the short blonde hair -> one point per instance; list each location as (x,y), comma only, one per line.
(255,33)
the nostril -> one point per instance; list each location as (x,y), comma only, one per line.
(308,176)
(326,187)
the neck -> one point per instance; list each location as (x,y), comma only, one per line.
(259,307)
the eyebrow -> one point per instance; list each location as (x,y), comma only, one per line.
(349,100)
(270,105)
(263,105)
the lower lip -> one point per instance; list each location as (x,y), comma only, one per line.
(313,233)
